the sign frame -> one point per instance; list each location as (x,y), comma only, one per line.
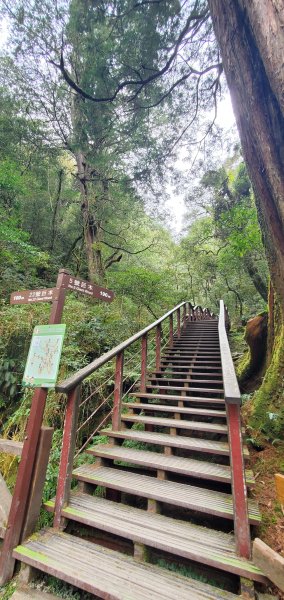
(44,356)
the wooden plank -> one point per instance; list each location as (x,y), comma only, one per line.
(190,497)
(185,380)
(171,397)
(154,460)
(279,482)
(38,481)
(158,345)
(174,409)
(203,390)
(178,424)
(231,387)
(270,562)
(166,440)
(67,453)
(239,490)
(194,542)
(21,491)
(11,447)
(117,394)
(88,566)
(144,352)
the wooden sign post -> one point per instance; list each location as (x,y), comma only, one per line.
(22,490)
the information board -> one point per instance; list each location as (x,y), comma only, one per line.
(44,356)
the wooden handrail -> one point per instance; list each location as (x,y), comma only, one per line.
(231,386)
(233,403)
(77,378)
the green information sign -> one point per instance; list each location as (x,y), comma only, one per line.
(44,356)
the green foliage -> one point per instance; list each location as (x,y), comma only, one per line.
(268,410)
(7,590)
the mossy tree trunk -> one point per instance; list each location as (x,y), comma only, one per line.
(250,34)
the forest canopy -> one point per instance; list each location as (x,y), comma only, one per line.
(100,103)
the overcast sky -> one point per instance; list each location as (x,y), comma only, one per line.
(175,206)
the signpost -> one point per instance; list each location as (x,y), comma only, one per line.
(67,282)
(22,489)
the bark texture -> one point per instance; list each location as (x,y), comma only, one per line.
(250,34)
(252,53)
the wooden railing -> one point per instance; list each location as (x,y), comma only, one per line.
(23,508)
(233,404)
(175,319)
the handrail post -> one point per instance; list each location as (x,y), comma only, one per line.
(117,395)
(20,497)
(178,322)
(158,346)
(239,490)
(184,316)
(171,341)
(144,348)
(67,454)
(233,403)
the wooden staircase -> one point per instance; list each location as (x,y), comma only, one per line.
(161,486)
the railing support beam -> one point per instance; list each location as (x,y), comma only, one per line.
(178,322)
(158,346)
(144,349)
(67,454)
(233,403)
(117,395)
(171,340)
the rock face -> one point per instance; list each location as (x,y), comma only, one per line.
(256,337)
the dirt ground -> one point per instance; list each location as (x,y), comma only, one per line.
(265,463)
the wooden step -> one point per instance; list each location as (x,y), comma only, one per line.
(190,355)
(108,574)
(177,424)
(195,373)
(185,380)
(190,497)
(196,345)
(200,364)
(204,412)
(166,440)
(189,380)
(173,441)
(183,466)
(194,399)
(200,544)
(189,388)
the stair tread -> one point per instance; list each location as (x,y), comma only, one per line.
(176,423)
(88,566)
(182,442)
(181,387)
(173,397)
(194,542)
(171,372)
(167,378)
(191,380)
(176,464)
(176,409)
(179,494)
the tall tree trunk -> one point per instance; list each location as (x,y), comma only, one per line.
(88,236)
(250,35)
(259,284)
(247,65)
